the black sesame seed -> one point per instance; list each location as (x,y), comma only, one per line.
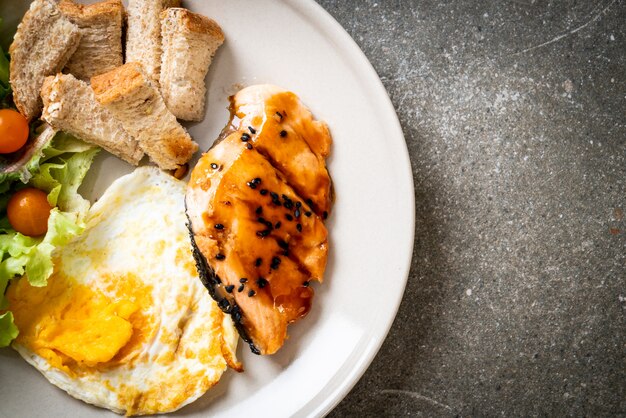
(299,227)
(280,115)
(325,215)
(249,145)
(257,180)
(252,130)
(289,217)
(214,166)
(298,205)
(263,192)
(243,280)
(263,233)
(251,185)
(259,210)
(230,288)
(283,133)
(278,224)
(275,263)
(274,195)
(306,284)
(245,137)
(219,226)
(282,244)
(258,261)
(223,303)
(297,213)
(288,204)
(220,257)
(308,214)
(240,288)
(261,282)
(251,293)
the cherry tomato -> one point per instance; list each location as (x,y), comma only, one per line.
(28,211)
(13,131)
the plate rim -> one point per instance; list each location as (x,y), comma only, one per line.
(320,18)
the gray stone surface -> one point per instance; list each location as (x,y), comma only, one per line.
(514,114)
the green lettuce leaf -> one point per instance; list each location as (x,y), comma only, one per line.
(4,68)
(33,256)
(5,87)
(62,179)
(62,227)
(8,330)
(64,143)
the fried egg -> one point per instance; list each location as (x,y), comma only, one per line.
(124,322)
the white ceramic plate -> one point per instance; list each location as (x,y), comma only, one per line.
(297,45)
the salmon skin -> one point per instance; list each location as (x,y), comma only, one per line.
(256,204)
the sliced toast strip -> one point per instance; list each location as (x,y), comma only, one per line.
(42,45)
(71,106)
(100,49)
(133,98)
(143,35)
(189,42)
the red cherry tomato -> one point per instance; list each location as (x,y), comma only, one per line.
(13,131)
(28,211)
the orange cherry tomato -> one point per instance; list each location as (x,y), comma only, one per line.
(13,131)
(28,211)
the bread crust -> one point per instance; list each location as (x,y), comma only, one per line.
(189,43)
(71,106)
(103,10)
(44,42)
(100,48)
(132,97)
(195,22)
(113,85)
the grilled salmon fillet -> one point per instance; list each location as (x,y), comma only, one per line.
(256,203)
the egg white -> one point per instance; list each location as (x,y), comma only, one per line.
(139,227)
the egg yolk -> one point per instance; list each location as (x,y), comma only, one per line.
(66,322)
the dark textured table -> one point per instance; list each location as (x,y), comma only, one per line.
(514,113)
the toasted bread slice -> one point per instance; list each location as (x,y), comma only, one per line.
(189,42)
(43,43)
(70,106)
(100,48)
(132,97)
(143,35)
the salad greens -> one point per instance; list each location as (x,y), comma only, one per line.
(60,171)
(5,87)
(58,168)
